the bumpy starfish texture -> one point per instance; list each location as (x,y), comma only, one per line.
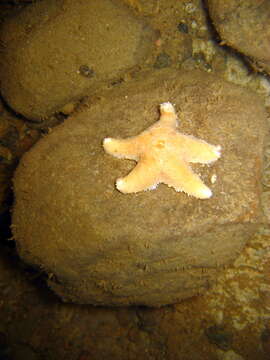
(163,154)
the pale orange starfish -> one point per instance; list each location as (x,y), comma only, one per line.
(163,155)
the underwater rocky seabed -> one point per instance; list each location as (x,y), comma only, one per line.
(230,321)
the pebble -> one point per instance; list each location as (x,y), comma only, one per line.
(163,60)
(219,336)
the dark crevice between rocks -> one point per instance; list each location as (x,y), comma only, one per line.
(219,41)
(5,221)
(211,27)
(17,115)
(43,125)
(32,275)
(8,251)
(11,259)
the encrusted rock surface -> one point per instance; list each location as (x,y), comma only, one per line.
(244,25)
(157,247)
(55,51)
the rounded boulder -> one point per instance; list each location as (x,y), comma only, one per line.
(102,247)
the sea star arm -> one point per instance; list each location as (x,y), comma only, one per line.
(180,176)
(122,148)
(198,150)
(168,115)
(144,176)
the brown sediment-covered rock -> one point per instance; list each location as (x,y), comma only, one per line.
(157,247)
(244,25)
(55,51)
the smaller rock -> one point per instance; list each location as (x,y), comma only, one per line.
(245,27)
(56,52)
(68,109)
(163,60)
(4,349)
(183,27)
(86,71)
(229,355)
(265,338)
(219,336)
(23,352)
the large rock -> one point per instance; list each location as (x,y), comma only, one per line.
(100,246)
(244,25)
(56,51)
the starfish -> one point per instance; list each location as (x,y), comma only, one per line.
(163,155)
